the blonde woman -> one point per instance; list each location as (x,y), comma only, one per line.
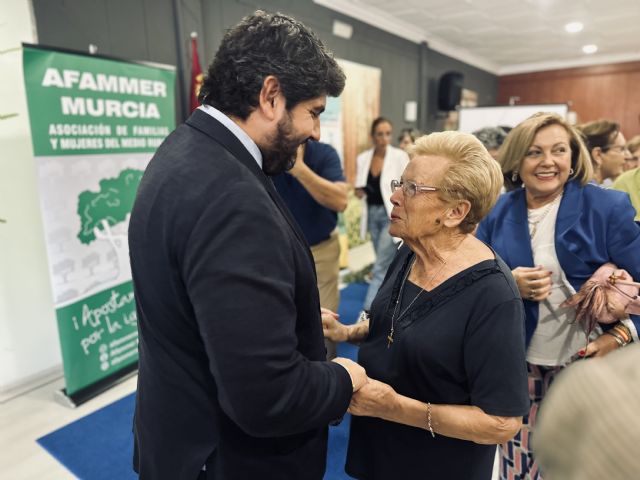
(554,231)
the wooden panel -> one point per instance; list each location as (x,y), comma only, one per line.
(632,108)
(602,91)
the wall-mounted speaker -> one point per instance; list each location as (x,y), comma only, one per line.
(450,90)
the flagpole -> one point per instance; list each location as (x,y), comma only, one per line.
(196,73)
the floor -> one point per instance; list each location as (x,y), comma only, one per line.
(34,414)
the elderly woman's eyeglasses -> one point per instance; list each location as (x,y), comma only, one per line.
(410,188)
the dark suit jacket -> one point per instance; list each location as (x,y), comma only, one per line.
(594,226)
(232,370)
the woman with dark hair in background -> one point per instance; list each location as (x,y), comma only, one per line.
(608,150)
(376,168)
(554,231)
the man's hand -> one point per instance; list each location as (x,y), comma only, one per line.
(330,194)
(356,372)
(299,166)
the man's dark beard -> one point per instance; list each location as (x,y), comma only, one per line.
(280,155)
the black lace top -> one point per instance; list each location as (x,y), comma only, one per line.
(374,196)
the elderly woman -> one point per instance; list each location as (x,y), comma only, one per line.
(554,231)
(444,345)
(607,148)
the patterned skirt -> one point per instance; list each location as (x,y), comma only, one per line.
(516,457)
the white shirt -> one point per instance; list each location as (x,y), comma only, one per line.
(234,128)
(557,336)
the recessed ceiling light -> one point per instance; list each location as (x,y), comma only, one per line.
(590,49)
(574,27)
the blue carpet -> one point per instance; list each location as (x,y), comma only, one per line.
(100,445)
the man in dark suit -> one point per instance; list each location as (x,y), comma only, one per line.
(233,382)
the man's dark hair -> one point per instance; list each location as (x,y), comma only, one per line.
(264,44)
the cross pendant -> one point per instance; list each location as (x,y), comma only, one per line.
(389,340)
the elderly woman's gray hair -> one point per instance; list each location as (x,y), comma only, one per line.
(491,137)
(473,175)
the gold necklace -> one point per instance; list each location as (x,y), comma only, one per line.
(533,226)
(397,305)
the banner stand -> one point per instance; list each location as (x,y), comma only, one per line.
(81,396)
(95,124)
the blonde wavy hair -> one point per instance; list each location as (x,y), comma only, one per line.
(472,174)
(519,140)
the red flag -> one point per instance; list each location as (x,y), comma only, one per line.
(196,72)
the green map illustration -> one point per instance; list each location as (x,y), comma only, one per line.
(110,205)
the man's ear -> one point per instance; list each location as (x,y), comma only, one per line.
(457,213)
(270,96)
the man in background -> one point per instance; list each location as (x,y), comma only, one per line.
(314,190)
(233,381)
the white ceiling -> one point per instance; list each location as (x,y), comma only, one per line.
(508,36)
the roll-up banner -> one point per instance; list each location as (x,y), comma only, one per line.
(95,123)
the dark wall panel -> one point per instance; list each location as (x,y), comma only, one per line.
(160,39)
(126,28)
(72,24)
(480,81)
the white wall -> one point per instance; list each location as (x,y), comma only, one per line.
(29,347)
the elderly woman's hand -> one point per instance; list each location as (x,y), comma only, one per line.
(374,399)
(331,328)
(534,283)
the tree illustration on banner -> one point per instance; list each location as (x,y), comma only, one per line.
(100,212)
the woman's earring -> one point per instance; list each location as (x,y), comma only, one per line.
(570,171)
(514,177)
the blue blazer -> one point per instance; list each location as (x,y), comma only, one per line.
(594,226)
